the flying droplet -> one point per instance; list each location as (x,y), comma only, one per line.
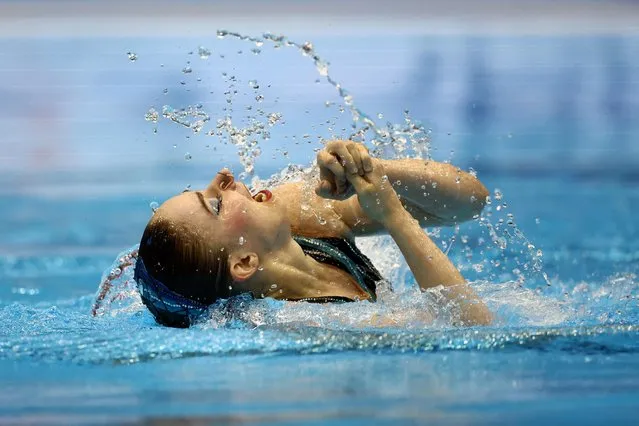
(322,68)
(222,33)
(307,48)
(187,70)
(242,241)
(152,115)
(132,56)
(188,156)
(203,52)
(154,206)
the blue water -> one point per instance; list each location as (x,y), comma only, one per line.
(565,343)
(562,353)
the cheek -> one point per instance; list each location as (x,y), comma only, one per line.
(236,216)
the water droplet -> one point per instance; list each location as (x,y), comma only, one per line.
(242,241)
(253,84)
(322,68)
(537,221)
(154,206)
(380,115)
(203,52)
(307,48)
(256,51)
(498,194)
(259,98)
(222,33)
(187,156)
(132,56)
(273,286)
(187,70)
(152,115)
(473,198)
(434,185)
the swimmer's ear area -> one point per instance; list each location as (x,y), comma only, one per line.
(243,265)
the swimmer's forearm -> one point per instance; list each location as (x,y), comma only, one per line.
(452,195)
(432,268)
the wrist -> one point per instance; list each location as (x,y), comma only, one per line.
(396,220)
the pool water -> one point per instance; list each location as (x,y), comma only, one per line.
(564,353)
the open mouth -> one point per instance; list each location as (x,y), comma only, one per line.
(263,196)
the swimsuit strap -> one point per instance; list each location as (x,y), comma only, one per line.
(345,255)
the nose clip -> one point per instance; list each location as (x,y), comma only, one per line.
(228,179)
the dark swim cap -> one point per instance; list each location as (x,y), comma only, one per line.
(168,307)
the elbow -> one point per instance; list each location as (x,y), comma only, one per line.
(480,194)
(477,198)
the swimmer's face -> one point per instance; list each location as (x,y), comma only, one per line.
(226,214)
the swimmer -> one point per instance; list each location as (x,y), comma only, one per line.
(222,241)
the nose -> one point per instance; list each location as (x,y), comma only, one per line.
(223,181)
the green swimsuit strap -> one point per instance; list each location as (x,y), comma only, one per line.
(329,250)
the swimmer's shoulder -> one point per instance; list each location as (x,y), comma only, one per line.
(310,215)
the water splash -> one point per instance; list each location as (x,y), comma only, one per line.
(505,253)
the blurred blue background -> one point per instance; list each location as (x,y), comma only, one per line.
(532,88)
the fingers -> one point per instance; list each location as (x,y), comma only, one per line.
(353,149)
(367,161)
(353,156)
(324,189)
(331,171)
(359,183)
(338,161)
(341,150)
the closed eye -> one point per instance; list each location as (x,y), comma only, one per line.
(216,204)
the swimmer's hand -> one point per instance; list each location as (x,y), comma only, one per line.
(375,194)
(336,162)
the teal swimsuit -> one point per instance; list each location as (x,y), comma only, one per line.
(345,255)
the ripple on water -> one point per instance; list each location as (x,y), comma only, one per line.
(402,321)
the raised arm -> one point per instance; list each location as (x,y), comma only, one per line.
(440,191)
(430,266)
(434,193)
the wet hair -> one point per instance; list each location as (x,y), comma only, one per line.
(179,272)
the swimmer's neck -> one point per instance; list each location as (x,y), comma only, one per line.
(290,274)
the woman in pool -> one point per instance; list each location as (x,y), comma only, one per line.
(286,244)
